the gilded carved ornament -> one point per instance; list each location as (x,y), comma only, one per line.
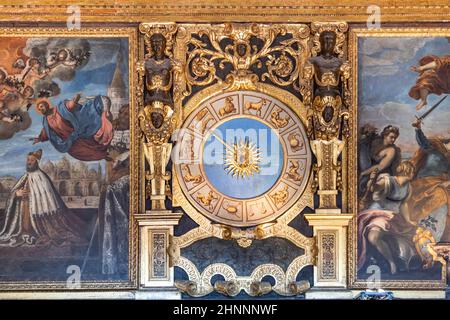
(158,99)
(327,96)
(233,46)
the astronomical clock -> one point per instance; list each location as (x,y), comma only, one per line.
(244,158)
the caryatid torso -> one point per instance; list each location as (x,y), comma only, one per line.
(158,80)
(326,75)
(327,72)
(158,110)
(156,119)
(324,120)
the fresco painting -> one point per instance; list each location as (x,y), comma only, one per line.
(403,155)
(64,149)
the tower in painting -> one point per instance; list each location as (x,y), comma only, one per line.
(117,90)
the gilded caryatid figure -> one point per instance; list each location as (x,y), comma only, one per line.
(328,74)
(157,119)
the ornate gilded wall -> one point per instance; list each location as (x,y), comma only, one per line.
(258,161)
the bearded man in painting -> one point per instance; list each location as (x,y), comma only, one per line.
(36,213)
(83,131)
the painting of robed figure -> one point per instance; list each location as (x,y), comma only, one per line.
(65,154)
(403,157)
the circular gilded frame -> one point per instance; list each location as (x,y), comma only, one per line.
(277,109)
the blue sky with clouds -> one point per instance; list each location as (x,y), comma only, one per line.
(93,79)
(385,80)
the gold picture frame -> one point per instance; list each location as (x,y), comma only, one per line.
(356,33)
(202,11)
(44,289)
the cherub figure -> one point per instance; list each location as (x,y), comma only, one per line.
(32,72)
(15,103)
(421,239)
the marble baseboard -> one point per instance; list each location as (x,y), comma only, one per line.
(158,293)
(324,293)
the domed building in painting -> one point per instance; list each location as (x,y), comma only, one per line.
(75,180)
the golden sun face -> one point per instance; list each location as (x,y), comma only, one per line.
(242,159)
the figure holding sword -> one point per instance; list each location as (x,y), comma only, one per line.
(431,184)
(433,157)
(422,117)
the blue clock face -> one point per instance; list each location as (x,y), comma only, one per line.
(228,154)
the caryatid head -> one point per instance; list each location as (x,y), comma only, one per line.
(327,42)
(158,45)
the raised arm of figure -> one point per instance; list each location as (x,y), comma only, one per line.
(387,157)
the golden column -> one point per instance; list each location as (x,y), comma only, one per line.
(328,98)
(158,98)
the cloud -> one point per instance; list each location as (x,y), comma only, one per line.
(67,54)
(103,52)
(402,116)
(61,56)
(384,56)
(7,129)
(15,169)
